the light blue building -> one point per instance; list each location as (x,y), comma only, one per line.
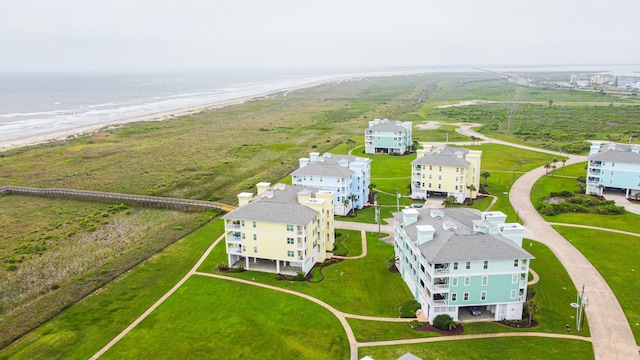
(386,136)
(347,176)
(458,261)
(613,166)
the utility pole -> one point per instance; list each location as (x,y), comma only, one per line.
(397,200)
(377,216)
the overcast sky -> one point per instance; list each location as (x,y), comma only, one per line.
(64,35)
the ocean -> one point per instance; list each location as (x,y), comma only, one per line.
(37,104)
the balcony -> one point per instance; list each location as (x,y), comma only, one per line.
(523,282)
(302,245)
(234,250)
(440,269)
(233,226)
(234,238)
(440,288)
(440,302)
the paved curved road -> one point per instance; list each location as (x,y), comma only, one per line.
(610,331)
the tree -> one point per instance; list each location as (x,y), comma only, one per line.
(564,161)
(391,262)
(449,201)
(555,161)
(474,139)
(346,205)
(350,143)
(352,198)
(471,188)
(371,192)
(547,166)
(531,307)
(485,175)
(550,103)
(415,145)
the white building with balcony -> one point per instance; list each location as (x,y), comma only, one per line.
(284,229)
(456,259)
(613,166)
(347,176)
(388,137)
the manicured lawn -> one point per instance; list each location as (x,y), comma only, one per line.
(616,258)
(366,331)
(349,243)
(87,326)
(439,134)
(213,319)
(498,348)
(362,286)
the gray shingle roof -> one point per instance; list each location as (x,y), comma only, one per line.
(462,244)
(446,156)
(387,126)
(319,169)
(621,153)
(283,207)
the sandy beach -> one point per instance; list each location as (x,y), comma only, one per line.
(168,115)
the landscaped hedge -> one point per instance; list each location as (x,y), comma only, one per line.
(578,203)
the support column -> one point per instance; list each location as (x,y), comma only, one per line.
(278,266)
(246,260)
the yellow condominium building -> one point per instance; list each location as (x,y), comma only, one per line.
(445,170)
(284,229)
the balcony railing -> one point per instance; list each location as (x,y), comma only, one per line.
(302,245)
(233,226)
(442,270)
(523,282)
(234,238)
(442,288)
(440,302)
(235,250)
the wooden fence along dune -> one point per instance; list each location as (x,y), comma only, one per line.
(115,198)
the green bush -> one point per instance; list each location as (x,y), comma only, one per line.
(408,309)
(444,322)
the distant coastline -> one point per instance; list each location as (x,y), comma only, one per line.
(78,131)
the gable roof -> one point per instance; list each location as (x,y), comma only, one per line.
(444,156)
(461,244)
(321,169)
(282,207)
(387,126)
(620,153)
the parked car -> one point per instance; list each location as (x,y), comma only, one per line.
(474,310)
(414,206)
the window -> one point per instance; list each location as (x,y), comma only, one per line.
(289,227)
(255,249)
(483,296)
(515,263)
(421,283)
(513,294)
(456,187)
(290,241)
(514,278)
(454,297)
(467,281)
(485,280)
(242,223)
(430,167)
(439,186)
(466,296)
(611,172)
(254,224)
(440,168)
(290,253)
(613,163)
(422,268)
(244,248)
(255,236)
(468,265)
(429,185)
(455,266)
(485,265)
(454,281)
(439,177)
(429,176)
(457,169)
(243,236)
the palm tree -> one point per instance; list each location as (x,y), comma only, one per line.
(471,188)
(415,145)
(346,205)
(485,175)
(555,161)
(371,193)
(449,201)
(352,198)
(564,161)
(531,307)
(550,103)
(547,166)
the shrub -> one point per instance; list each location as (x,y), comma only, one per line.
(300,276)
(444,322)
(408,309)
(222,267)
(237,269)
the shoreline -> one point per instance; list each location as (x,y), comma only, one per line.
(79,131)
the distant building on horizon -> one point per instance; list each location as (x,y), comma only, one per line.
(347,176)
(613,166)
(388,137)
(445,170)
(284,229)
(462,262)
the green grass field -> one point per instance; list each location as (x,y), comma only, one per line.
(212,319)
(616,258)
(481,349)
